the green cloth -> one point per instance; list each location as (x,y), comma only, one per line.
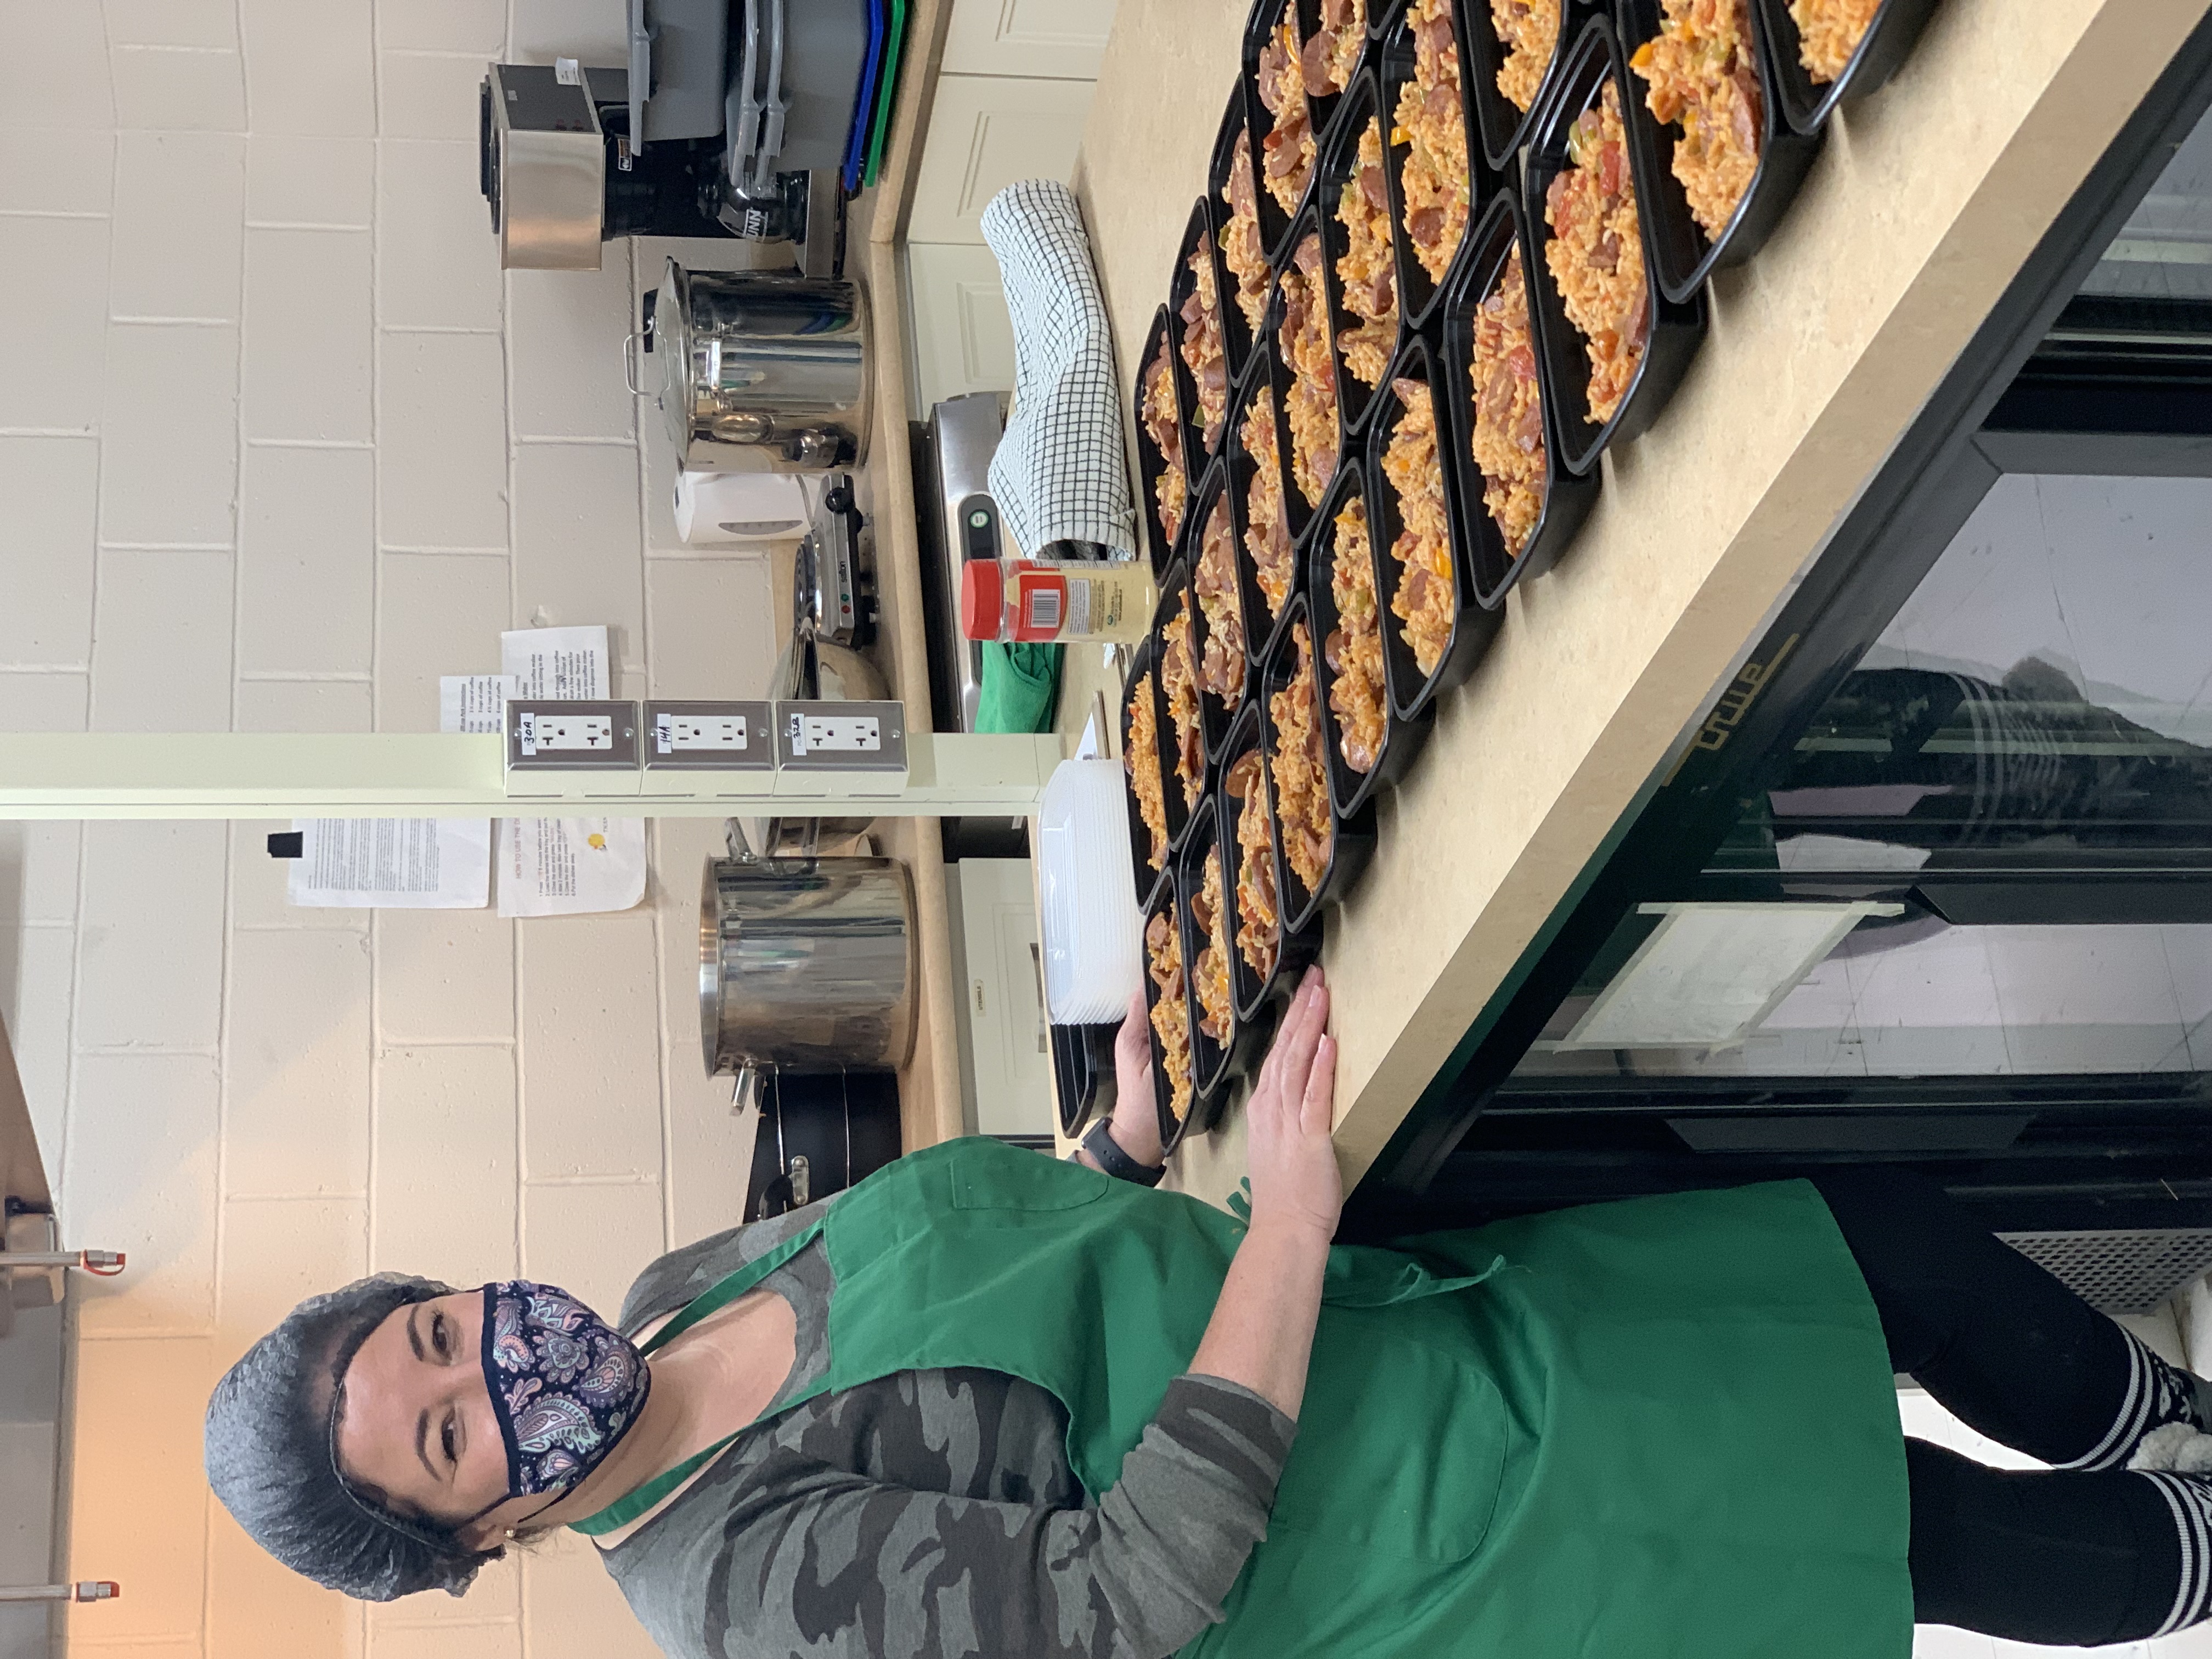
(1650,1430)
(1020,689)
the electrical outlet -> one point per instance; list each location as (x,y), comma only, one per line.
(820,734)
(691,733)
(571,735)
(842,737)
(709,736)
(548,734)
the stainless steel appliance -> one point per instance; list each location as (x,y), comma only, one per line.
(756,373)
(805,963)
(730,118)
(959,522)
(833,574)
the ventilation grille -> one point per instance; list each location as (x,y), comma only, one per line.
(2120,1272)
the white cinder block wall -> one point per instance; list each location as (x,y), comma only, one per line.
(279,445)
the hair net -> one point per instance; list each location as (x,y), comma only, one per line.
(271,1461)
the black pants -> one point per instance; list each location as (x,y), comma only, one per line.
(2062,1558)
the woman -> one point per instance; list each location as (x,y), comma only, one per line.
(985,1403)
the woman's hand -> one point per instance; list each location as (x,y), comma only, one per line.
(1135,1126)
(1261,1332)
(1291,1158)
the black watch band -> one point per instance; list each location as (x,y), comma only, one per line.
(1102,1145)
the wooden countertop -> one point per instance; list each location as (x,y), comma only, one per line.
(930,1109)
(1924,204)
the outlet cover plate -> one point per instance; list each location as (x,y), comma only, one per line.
(551,736)
(722,736)
(840,737)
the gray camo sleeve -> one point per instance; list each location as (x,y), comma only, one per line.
(852,1569)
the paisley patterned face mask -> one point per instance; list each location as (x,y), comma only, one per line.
(565,1385)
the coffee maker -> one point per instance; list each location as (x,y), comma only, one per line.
(730,118)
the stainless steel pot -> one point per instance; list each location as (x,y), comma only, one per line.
(805,963)
(757,372)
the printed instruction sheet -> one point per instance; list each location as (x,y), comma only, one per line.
(565,866)
(393,864)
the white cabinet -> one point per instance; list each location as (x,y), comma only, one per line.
(1011,102)
(1051,40)
(961,339)
(986,131)
(1005,1055)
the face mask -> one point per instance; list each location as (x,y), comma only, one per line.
(565,1385)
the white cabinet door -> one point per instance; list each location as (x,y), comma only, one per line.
(1054,39)
(963,341)
(1005,1040)
(986,131)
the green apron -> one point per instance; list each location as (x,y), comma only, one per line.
(1663,1427)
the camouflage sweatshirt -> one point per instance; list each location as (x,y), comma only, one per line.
(932,1514)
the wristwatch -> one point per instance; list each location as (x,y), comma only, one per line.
(1102,1145)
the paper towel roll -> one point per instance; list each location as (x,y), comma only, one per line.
(720,507)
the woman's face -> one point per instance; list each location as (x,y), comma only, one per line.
(418,1424)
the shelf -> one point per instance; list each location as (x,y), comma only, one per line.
(930,1109)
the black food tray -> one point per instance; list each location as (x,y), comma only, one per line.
(1217,1066)
(1180,283)
(1352,838)
(1172,1129)
(1149,881)
(1683,254)
(1214,714)
(1150,463)
(1568,497)
(1275,364)
(1887,42)
(1083,1073)
(1174,590)
(1402,739)
(1472,627)
(1275,225)
(1504,127)
(1310,22)
(1381,18)
(1262,625)
(1417,291)
(1260,998)
(1236,330)
(1676,329)
(1340,164)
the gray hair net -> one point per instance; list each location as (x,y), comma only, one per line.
(272,1459)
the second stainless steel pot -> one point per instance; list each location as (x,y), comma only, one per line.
(806,963)
(757,373)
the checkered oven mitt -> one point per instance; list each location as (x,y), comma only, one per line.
(1059,473)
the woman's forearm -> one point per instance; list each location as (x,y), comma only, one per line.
(1261,1332)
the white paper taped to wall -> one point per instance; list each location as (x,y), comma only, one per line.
(564,867)
(474,703)
(570,866)
(406,864)
(569,663)
(400,864)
